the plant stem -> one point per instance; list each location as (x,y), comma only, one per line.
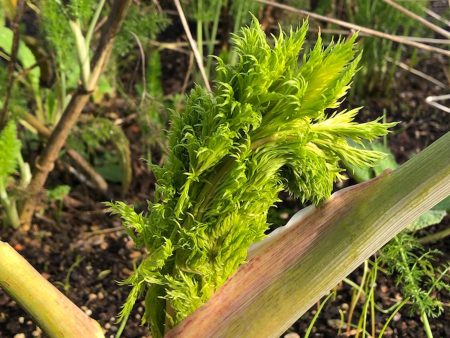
(236,26)
(313,321)
(423,21)
(213,37)
(10,207)
(435,237)
(200,28)
(25,172)
(82,52)
(57,139)
(55,314)
(426,325)
(93,23)
(397,309)
(355,299)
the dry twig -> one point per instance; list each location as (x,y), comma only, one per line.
(417,73)
(414,16)
(193,44)
(368,31)
(432,101)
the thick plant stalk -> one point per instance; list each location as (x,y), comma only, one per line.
(292,269)
(46,160)
(55,314)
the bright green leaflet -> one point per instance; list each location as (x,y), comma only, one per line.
(24,55)
(262,130)
(10,148)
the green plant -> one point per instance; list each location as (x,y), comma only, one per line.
(263,129)
(415,272)
(94,135)
(57,195)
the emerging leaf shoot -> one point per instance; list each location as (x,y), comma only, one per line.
(266,127)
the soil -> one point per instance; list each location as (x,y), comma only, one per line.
(84,251)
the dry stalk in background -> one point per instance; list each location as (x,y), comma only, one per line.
(413,15)
(193,44)
(368,31)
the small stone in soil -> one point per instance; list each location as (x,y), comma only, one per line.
(37,332)
(291,335)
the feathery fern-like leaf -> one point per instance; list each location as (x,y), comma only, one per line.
(265,128)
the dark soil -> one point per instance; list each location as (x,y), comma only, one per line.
(85,252)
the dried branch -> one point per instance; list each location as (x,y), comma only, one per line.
(414,16)
(45,163)
(432,101)
(368,31)
(436,16)
(417,72)
(193,44)
(12,61)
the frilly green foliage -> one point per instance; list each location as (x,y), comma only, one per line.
(416,273)
(264,129)
(55,17)
(145,22)
(10,148)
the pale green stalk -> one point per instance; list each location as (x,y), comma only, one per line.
(10,207)
(426,325)
(356,297)
(435,237)
(55,314)
(200,28)
(319,310)
(213,36)
(25,172)
(93,23)
(237,25)
(292,270)
(82,52)
(397,309)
